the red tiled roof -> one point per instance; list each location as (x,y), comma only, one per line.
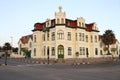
(38,26)
(25,39)
(89,26)
(73,23)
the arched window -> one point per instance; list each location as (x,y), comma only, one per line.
(62,21)
(91,38)
(30,44)
(60,34)
(80,24)
(69,51)
(86,38)
(34,38)
(34,51)
(53,51)
(58,21)
(96,51)
(95,38)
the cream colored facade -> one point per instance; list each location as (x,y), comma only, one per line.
(25,42)
(64,38)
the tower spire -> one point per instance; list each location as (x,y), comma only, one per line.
(60,8)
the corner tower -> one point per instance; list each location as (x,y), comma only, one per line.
(60,16)
(37,41)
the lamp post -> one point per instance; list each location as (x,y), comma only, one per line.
(6,54)
(11,43)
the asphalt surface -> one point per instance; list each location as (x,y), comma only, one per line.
(24,71)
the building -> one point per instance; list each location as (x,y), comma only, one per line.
(25,43)
(63,38)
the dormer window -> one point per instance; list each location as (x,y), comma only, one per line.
(53,23)
(34,38)
(58,21)
(95,38)
(80,24)
(62,21)
(47,23)
(68,23)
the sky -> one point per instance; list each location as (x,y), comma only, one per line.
(17,17)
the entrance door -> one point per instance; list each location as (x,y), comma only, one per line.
(60,51)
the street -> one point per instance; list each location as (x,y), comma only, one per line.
(95,71)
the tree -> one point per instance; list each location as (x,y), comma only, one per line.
(15,50)
(6,47)
(108,39)
(27,53)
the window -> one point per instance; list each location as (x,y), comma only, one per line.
(69,51)
(34,51)
(83,51)
(80,50)
(58,21)
(79,36)
(62,21)
(101,44)
(96,51)
(69,35)
(91,38)
(68,23)
(48,23)
(101,52)
(44,37)
(44,50)
(86,38)
(80,24)
(53,36)
(48,36)
(95,38)
(35,38)
(82,36)
(53,23)
(60,34)
(53,51)
(30,44)
(76,36)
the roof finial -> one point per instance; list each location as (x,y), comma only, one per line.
(60,8)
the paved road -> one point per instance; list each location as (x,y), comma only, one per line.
(97,71)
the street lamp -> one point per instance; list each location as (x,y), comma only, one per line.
(6,54)
(11,43)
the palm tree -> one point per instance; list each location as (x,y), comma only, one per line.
(108,39)
(6,47)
